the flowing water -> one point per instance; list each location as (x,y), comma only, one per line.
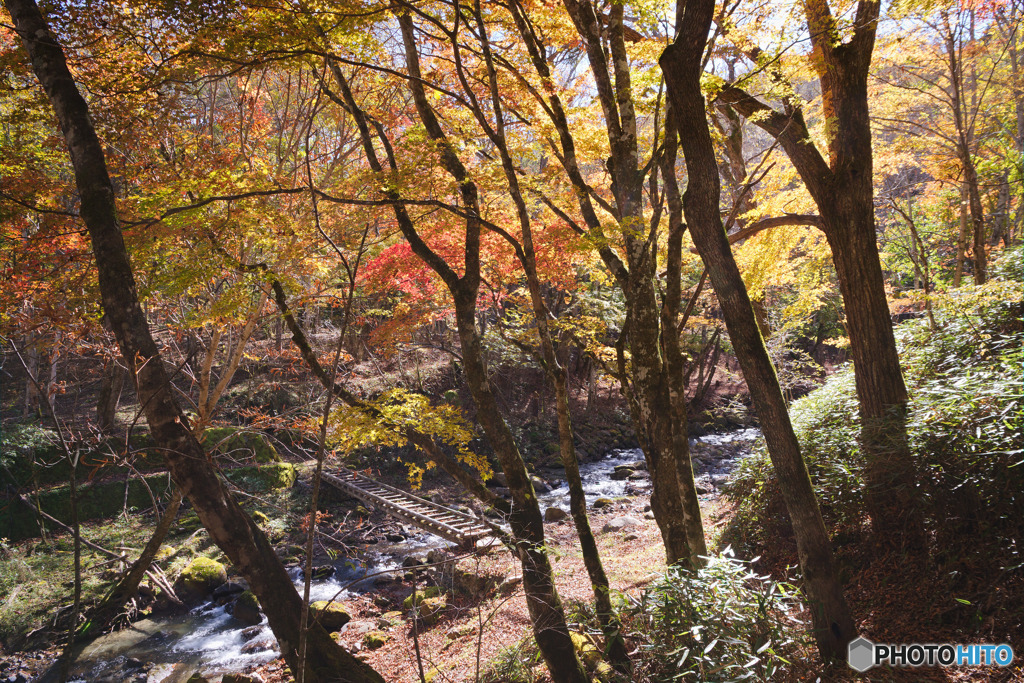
(209,640)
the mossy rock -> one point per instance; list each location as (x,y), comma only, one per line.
(165,553)
(602,503)
(389,619)
(247,609)
(375,640)
(421,595)
(262,478)
(431,609)
(240,445)
(260,518)
(331,615)
(200,577)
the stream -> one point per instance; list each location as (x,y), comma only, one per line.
(209,640)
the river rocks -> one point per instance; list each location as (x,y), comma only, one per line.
(324,571)
(389,620)
(472,584)
(621,523)
(247,609)
(621,473)
(231,587)
(258,645)
(497,480)
(555,514)
(242,678)
(200,578)
(420,595)
(375,640)
(602,503)
(431,609)
(539,485)
(331,615)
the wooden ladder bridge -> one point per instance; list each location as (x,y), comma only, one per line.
(452,525)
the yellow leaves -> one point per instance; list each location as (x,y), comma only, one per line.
(350,428)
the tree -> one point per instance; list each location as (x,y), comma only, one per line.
(682,63)
(229,526)
(842,188)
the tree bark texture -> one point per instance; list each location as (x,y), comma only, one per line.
(682,65)
(228,525)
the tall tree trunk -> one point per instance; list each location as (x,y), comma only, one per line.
(681,64)
(961,236)
(554,367)
(654,411)
(110,394)
(228,525)
(550,628)
(842,190)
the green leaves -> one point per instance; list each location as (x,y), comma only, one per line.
(721,623)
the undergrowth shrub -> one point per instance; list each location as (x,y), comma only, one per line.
(720,623)
(964,379)
(513,664)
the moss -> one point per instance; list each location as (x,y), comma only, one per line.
(95,501)
(166,552)
(201,576)
(431,609)
(331,615)
(420,595)
(375,640)
(262,478)
(261,518)
(236,445)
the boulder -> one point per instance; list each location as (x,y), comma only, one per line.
(375,640)
(389,619)
(261,478)
(431,609)
(539,485)
(237,445)
(602,503)
(554,514)
(331,615)
(322,572)
(200,578)
(420,595)
(621,473)
(247,609)
(472,584)
(232,587)
(621,523)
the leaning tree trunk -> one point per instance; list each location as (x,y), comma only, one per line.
(681,64)
(228,525)
(842,190)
